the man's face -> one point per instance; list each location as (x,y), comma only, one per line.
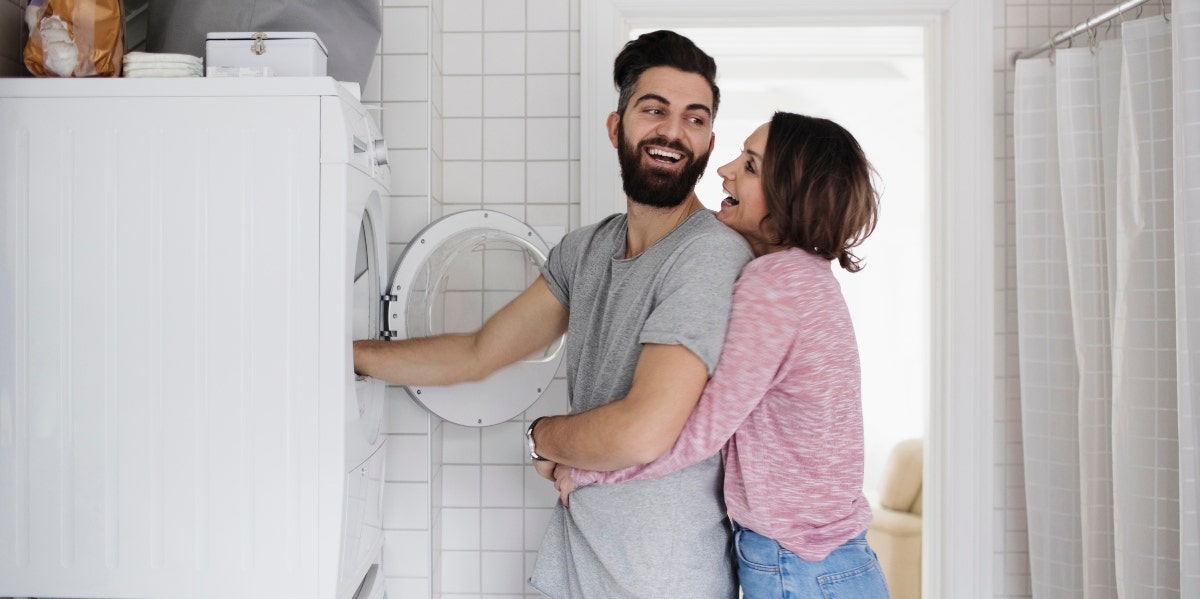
(664,138)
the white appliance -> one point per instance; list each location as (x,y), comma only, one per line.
(183,266)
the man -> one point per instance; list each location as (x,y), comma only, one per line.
(644,298)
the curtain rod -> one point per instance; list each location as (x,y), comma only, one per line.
(1091,23)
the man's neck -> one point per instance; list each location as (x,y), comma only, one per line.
(648,224)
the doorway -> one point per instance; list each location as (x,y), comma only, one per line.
(840,73)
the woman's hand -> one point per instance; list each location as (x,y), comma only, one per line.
(564,483)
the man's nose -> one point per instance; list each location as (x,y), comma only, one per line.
(670,129)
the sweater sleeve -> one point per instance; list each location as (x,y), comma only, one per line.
(762,329)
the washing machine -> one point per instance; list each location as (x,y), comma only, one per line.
(184,264)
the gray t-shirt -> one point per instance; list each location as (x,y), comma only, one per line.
(666,537)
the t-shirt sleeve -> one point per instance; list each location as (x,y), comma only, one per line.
(692,305)
(763,328)
(558,268)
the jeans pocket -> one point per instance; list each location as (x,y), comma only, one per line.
(863,582)
(756,551)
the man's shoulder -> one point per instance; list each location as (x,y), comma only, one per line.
(608,227)
(706,233)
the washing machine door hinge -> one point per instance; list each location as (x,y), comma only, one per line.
(386,333)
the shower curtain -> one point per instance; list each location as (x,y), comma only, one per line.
(1107,166)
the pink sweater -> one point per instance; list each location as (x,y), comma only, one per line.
(785,404)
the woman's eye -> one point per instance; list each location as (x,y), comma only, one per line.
(749,166)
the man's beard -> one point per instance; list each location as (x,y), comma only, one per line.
(649,186)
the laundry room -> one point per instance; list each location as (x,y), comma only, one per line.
(234,474)
(208,208)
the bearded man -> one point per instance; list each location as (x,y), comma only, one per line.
(644,299)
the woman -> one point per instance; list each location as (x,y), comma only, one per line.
(785,402)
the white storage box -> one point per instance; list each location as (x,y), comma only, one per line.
(281,54)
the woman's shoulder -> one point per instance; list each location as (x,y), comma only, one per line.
(789,262)
(792,272)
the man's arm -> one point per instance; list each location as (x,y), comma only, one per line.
(637,428)
(525,325)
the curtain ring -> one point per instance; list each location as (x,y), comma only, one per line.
(1093,40)
(1053,51)
(1166,13)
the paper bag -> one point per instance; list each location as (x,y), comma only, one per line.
(74,38)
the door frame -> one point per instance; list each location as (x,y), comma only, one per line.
(958,537)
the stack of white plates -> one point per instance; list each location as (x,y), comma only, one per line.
(146,64)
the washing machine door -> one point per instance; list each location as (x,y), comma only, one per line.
(453,276)
(365,417)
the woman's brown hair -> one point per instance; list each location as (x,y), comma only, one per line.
(818,187)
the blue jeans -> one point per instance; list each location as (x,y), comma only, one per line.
(765,569)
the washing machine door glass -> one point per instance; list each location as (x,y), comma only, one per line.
(453,276)
(365,323)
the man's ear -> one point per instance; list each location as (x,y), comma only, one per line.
(712,143)
(614,121)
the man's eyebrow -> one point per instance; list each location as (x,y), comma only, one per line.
(658,98)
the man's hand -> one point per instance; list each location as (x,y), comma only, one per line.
(560,475)
(564,483)
(545,468)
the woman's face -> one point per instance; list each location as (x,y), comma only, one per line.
(745,207)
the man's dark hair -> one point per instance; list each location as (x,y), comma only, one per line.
(661,49)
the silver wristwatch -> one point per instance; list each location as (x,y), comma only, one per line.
(529,439)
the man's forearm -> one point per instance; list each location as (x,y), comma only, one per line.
(441,360)
(602,439)
(635,429)
(530,322)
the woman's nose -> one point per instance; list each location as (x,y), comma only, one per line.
(725,171)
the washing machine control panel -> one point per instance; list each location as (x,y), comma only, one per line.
(355,138)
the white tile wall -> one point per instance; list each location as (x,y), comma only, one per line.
(480,110)
(1020,24)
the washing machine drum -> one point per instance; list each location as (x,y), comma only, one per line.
(455,274)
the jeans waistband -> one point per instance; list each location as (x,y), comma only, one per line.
(858,538)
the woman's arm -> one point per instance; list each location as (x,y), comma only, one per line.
(762,329)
